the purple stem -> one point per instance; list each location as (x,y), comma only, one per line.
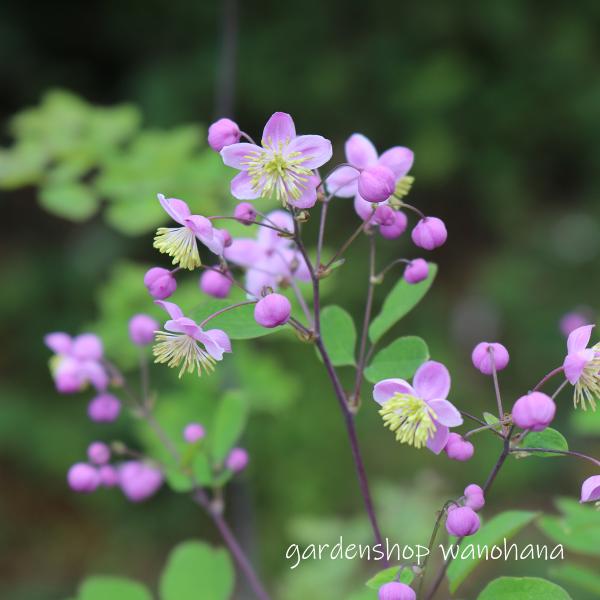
(548,376)
(224,310)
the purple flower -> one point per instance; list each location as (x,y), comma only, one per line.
(109,476)
(104,408)
(590,490)
(572,320)
(193,432)
(485,352)
(281,167)
(245,213)
(83,478)
(396,229)
(272,310)
(141,329)
(160,283)
(429,233)
(376,183)
(185,343)
(395,590)
(457,448)
(223,132)
(139,481)
(416,271)
(534,411)
(419,414)
(215,283)
(98,453)
(474,497)
(582,366)
(462,521)
(237,460)
(181,242)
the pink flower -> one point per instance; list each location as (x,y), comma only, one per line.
(416,271)
(419,414)
(272,310)
(160,283)
(534,411)
(582,366)
(457,448)
(245,213)
(237,460)
(181,242)
(485,352)
(574,319)
(462,521)
(396,229)
(104,408)
(395,590)
(376,183)
(139,481)
(590,490)
(83,478)
(141,329)
(474,497)
(215,283)
(429,233)
(193,432)
(223,132)
(98,453)
(281,167)
(185,343)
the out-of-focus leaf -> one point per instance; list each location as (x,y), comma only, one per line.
(583,577)
(71,200)
(391,574)
(115,588)
(400,359)
(523,588)
(228,424)
(339,335)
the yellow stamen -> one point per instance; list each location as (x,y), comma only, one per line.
(180,349)
(181,244)
(410,417)
(587,389)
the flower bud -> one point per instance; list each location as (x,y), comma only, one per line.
(245,213)
(227,239)
(391,232)
(104,408)
(272,310)
(98,453)
(590,490)
(376,183)
(462,521)
(429,233)
(237,460)
(483,354)
(215,284)
(142,329)
(223,132)
(474,497)
(109,476)
(457,448)
(193,432)
(416,271)
(138,480)
(394,590)
(160,283)
(384,215)
(533,411)
(83,478)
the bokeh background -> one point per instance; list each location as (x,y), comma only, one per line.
(501,103)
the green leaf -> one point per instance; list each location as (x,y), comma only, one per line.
(228,424)
(196,570)
(400,359)
(71,200)
(339,335)
(523,588)
(400,301)
(390,574)
(238,323)
(115,588)
(504,525)
(549,438)
(584,577)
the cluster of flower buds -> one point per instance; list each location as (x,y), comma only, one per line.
(462,519)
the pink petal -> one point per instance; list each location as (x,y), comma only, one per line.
(212,345)
(219,336)
(590,490)
(257,279)
(308,198)
(241,187)
(58,342)
(579,338)
(446,413)
(172,309)
(386,388)
(199,225)
(343,182)
(314,148)
(183,325)
(177,209)
(238,155)
(279,128)
(244,252)
(215,241)
(398,159)
(437,442)
(575,363)
(360,151)
(95,372)
(363,208)
(87,346)
(432,381)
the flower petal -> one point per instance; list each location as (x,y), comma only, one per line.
(238,155)
(280,128)
(398,159)
(201,226)
(242,189)
(446,413)
(221,338)
(315,149)
(575,363)
(212,345)
(579,338)
(386,388)
(363,208)
(360,151)
(590,490)
(257,279)
(177,209)
(96,374)
(343,182)
(437,442)
(172,309)
(432,381)
(308,198)
(58,342)
(183,325)
(244,252)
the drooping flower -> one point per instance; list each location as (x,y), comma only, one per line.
(582,367)
(485,352)
(457,448)
(416,271)
(533,411)
(474,497)
(223,132)
(160,283)
(186,344)
(462,521)
(104,408)
(281,166)
(590,490)
(429,233)
(396,590)
(83,478)
(272,311)
(181,242)
(419,414)
(139,480)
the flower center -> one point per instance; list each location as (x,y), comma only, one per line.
(180,349)
(410,417)
(587,388)
(180,243)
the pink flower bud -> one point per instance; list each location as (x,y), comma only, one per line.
(237,460)
(109,476)
(391,232)
(245,213)
(139,481)
(272,310)
(462,521)
(416,271)
(590,490)
(160,283)
(429,233)
(104,408)
(394,590)
(223,132)
(384,215)
(83,478)
(227,239)
(482,357)
(533,411)
(193,432)
(474,497)
(98,453)
(142,329)
(376,183)
(458,448)
(215,284)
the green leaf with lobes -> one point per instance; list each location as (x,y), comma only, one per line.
(400,359)
(523,588)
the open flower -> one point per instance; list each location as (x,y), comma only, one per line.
(419,414)
(281,167)
(582,366)
(181,242)
(185,343)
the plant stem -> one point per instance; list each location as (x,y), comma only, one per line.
(497,389)
(348,242)
(561,452)
(224,310)
(546,377)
